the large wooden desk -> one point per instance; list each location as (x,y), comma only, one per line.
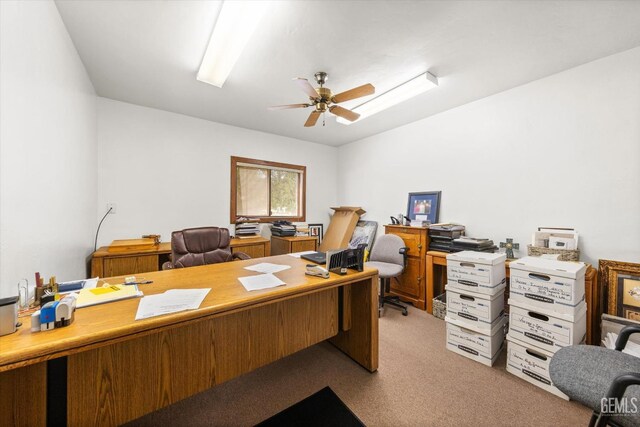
(108,264)
(114,369)
(436,278)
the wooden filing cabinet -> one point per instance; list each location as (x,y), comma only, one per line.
(255,247)
(118,266)
(411,285)
(108,264)
(289,245)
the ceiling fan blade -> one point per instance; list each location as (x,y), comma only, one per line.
(306,87)
(354,93)
(344,113)
(313,118)
(286,107)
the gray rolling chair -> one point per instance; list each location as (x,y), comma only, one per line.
(388,255)
(589,374)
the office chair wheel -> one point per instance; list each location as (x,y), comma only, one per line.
(405,312)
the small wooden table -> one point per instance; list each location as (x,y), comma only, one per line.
(292,244)
(107,264)
(436,278)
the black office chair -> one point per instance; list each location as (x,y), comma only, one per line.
(389,256)
(599,378)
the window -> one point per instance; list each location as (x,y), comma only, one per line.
(267,191)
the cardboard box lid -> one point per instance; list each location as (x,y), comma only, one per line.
(343,223)
(552,267)
(486,258)
(355,209)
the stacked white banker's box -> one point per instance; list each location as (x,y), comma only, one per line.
(547,312)
(475,305)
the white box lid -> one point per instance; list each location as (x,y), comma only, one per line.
(487,258)
(528,346)
(499,324)
(581,310)
(552,267)
(484,297)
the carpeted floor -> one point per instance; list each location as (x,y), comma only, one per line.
(419,383)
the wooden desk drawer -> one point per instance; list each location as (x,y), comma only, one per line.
(305,245)
(254,251)
(130,265)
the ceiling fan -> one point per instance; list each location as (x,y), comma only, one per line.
(324,100)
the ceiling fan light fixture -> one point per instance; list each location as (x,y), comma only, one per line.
(322,99)
(236,23)
(398,94)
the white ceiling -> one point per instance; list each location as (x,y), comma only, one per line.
(148,53)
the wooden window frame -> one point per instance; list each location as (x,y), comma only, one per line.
(234,190)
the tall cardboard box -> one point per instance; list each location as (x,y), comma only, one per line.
(341,227)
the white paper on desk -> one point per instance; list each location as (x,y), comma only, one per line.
(267,267)
(171,301)
(194,297)
(298,254)
(90,283)
(261,281)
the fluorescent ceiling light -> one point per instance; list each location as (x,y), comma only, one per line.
(234,27)
(394,96)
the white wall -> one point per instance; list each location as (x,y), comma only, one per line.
(560,151)
(564,150)
(167,171)
(48,181)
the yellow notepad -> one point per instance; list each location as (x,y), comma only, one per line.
(106,293)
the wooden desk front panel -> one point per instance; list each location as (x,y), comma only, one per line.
(23,396)
(123,381)
(359,336)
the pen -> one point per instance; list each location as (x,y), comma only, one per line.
(139,283)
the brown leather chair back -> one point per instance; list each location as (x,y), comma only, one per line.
(200,246)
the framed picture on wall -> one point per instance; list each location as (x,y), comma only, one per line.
(621,282)
(316,230)
(424,206)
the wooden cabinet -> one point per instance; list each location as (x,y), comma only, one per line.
(289,245)
(411,285)
(255,247)
(119,266)
(108,264)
